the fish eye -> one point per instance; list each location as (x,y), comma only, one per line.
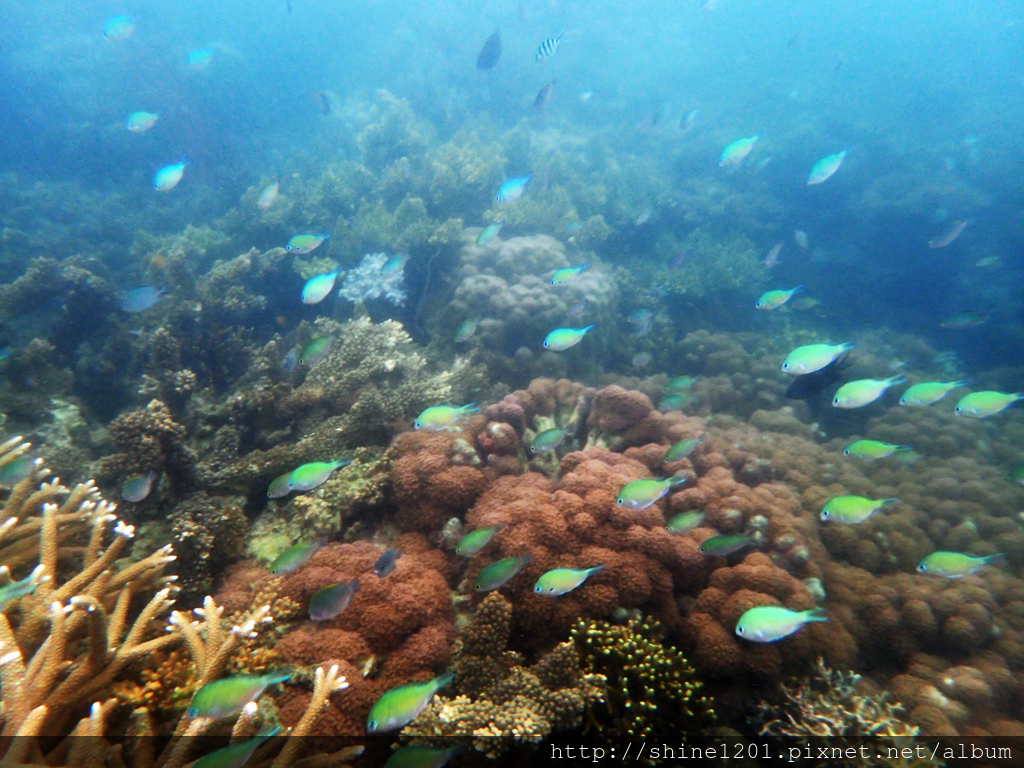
(922,567)
(824,514)
(740,630)
(846,451)
(785,366)
(546,344)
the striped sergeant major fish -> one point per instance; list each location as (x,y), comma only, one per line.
(548,47)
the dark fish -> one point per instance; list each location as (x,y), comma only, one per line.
(810,385)
(386,562)
(328,602)
(325,102)
(548,47)
(490,53)
(544,95)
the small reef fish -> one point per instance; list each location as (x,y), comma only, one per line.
(952,234)
(140,299)
(497,575)
(420,757)
(302,244)
(394,264)
(474,541)
(956,565)
(564,275)
(268,195)
(768,623)
(686,124)
(488,233)
(577,310)
(490,53)
(988,261)
(853,509)
(545,94)
(295,557)
(775,299)
(561,339)
(236,755)
(465,331)
(512,189)
(641,320)
(167,178)
(548,440)
(978,405)
(683,448)
(314,474)
(644,217)
(641,359)
(872,450)
(824,168)
(400,706)
(680,383)
(16,470)
(137,487)
(640,494)
(725,544)
(856,394)
(278,487)
(961,320)
(328,602)
(386,562)
(199,59)
(675,401)
(442,417)
(771,259)
(563,580)
(318,287)
(119,27)
(140,122)
(548,47)
(929,392)
(734,153)
(813,357)
(685,521)
(801,239)
(316,350)
(222,698)
(25,586)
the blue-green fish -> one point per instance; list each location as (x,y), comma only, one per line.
(400,706)
(235,755)
(929,392)
(140,122)
(548,440)
(680,384)
(512,189)
(683,448)
(420,757)
(167,178)
(685,521)
(474,541)
(16,470)
(119,27)
(328,602)
(465,331)
(564,275)
(561,339)
(978,405)
(872,450)
(855,394)
(318,287)
(268,195)
(222,698)
(137,487)
(725,544)
(498,574)
(768,623)
(199,59)
(824,168)
(641,494)
(563,580)
(443,417)
(775,299)
(140,299)
(316,350)
(278,487)
(294,557)
(955,565)
(314,474)
(489,233)
(674,401)
(305,243)
(812,357)
(852,509)
(734,153)
(394,264)
(26,586)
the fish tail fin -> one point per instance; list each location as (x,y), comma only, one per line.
(595,569)
(997,559)
(526,559)
(470,408)
(815,614)
(899,378)
(889,502)
(847,346)
(278,677)
(342,462)
(354,585)
(903,447)
(678,478)
(594,324)
(443,679)
(798,288)
(268,733)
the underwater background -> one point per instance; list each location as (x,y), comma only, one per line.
(603,372)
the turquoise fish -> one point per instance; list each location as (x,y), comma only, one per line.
(294,557)
(561,339)
(328,602)
(16,470)
(199,59)
(140,122)
(775,299)
(853,509)
(316,350)
(956,565)
(855,394)
(812,357)
(683,448)
(318,287)
(872,450)
(235,755)
(512,189)
(548,440)
(400,706)
(465,331)
(314,474)
(824,168)
(305,243)
(563,580)
(167,178)
(929,392)
(674,401)
(768,623)
(640,494)
(140,299)
(734,153)
(488,233)
(26,586)
(119,27)
(278,487)
(443,417)
(680,384)
(474,541)
(498,574)
(978,405)
(725,544)
(564,275)
(420,757)
(137,487)
(222,698)
(394,264)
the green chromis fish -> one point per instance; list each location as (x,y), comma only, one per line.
(512,189)
(929,392)
(855,394)
(978,405)
(683,448)
(641,494)
(305,243)
(768,623)
(685,521)
(563,580)
(294,557)
(137,487)
(16,470)
(675,401)
(235,755)
(312,475)
(824,168)
(442,417)
(561,339)
(488,233)
(420,757)
(775,299)
(140,122)
(872,450)
(812,357)
(680,384)
(548,440)
(394,264)
(26,586)
(222,698)
(725,544)
(400,706)
(167,178)
(564,275)
(955,565)
(474,541)
(496,575)
(328,602)
(852,509)
(278,487)
(734,153)
(318,287)
(465,331)
(316,350)
(268,195)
